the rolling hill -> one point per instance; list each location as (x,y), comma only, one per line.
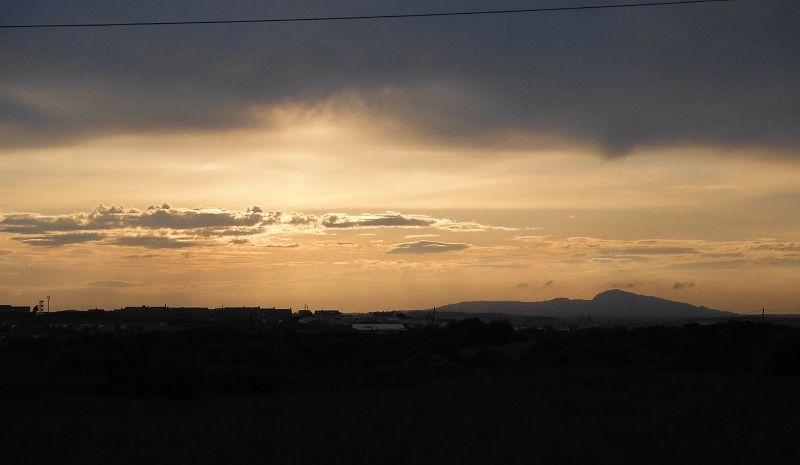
(609,304)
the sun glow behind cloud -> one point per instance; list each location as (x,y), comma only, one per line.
(603,223)
(323,162)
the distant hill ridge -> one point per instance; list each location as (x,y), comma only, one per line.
(609,304)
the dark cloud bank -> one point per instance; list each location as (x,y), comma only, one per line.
(722,74)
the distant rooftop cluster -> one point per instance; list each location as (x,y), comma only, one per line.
(14,309)
(140,318)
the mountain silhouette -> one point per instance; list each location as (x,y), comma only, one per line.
(609,304)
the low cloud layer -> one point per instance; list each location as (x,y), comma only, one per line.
(167,227)
(211,242)
(686,254)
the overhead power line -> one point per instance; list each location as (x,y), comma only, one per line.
(363,17)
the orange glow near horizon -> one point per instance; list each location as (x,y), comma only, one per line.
(688,224)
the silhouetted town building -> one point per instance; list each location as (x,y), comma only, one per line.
(14,309)
(275,314)
(221,313)
(327,314)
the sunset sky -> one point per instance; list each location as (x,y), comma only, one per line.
(399,163)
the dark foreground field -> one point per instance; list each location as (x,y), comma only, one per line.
(551,416)
(471,393)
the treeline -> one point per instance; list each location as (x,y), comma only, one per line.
(232,362)
(732,348)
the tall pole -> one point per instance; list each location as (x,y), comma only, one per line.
(762,315)
(48,304)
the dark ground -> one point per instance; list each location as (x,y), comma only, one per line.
(474,393)
(551,416)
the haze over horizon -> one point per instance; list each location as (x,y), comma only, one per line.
(400,163)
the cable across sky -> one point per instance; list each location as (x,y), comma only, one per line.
(363,17)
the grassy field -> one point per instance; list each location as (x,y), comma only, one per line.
(549,415)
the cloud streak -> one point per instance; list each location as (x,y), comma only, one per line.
(425,247)
(112,283)
(152,242)
(652,250)
(59,239)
